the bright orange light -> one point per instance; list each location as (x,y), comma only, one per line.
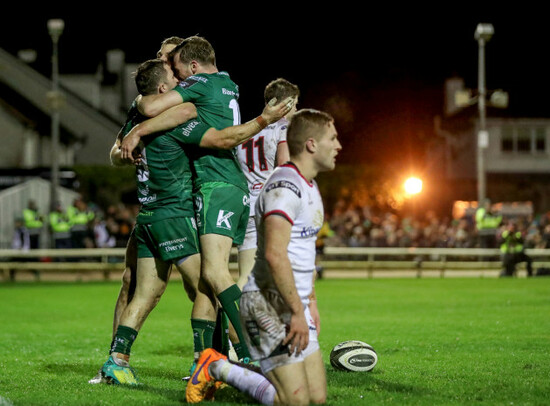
(413,186)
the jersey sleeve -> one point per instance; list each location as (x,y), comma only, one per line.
(283,198)
(190,132)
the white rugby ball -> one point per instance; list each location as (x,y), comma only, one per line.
(353,355)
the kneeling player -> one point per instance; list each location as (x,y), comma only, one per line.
(280,320)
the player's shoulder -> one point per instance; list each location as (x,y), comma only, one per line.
(285,177)
(279,126)
(229,88)
(193,80)
(275,130)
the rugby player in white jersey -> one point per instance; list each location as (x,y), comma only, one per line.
(258,157)
(276,300)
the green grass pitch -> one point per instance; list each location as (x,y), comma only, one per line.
(452,341)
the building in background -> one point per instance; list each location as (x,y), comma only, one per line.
(517,152)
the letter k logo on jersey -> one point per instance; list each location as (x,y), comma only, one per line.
(223,219)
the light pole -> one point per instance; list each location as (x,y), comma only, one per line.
(55,29)
(483,34)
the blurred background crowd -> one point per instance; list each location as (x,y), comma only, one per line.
(80,225)
(350,225)
(87,225)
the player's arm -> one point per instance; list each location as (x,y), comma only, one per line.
(167,120)
(230,137)
(154,104)
(277,237)
(313,309)
(282,155)
(116,154)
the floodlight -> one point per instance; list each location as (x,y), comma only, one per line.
(484,32)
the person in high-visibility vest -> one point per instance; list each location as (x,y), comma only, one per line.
(80,217)
(60,225)
(513,252)
(34,223)
(487,223)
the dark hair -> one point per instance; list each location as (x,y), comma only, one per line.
(305,124)
(148,76)
(280,89)
(195,48)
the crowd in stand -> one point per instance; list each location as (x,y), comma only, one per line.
(80,225)
(346,225)
(362,226)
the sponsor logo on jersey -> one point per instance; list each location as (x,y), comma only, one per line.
(257,186)
(186,131)
(223,219)
(284,184)
(198,203)
(142,173)
(191,80)
(309,231)
(143,190)
(148,199)
(228,92)
(246,200)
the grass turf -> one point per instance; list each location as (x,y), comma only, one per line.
(439,341)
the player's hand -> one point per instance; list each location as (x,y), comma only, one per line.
(297,338)
(136,154)
(127,147)
(314,311)
(274,112)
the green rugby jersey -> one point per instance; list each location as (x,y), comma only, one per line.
(215,97)
(164,185)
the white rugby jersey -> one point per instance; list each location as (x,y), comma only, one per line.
(287,193)
(257,157)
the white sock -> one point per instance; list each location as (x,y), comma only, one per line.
(245,380)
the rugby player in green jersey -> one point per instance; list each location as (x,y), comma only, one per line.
(126,292)
(221,190)
(201,328)
(165,229)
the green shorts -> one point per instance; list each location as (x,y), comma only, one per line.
(170,239)
(222,209)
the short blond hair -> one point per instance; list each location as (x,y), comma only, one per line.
(305,124)
(195,48)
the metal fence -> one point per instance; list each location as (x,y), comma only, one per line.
(337,262)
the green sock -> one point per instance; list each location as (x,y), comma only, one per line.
(124,338)
(229,300)
(221,334)
(203,331)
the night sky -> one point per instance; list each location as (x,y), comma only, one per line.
(379,72)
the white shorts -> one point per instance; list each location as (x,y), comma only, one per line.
(250,236)
(265,318)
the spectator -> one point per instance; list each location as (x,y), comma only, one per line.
(80,217)
(21,238)
(513,251)
(34,223)
(487,222)
(60,227)
(102,237)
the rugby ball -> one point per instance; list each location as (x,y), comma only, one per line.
(354,356)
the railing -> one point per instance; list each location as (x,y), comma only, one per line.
(370,262)
(336,261)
